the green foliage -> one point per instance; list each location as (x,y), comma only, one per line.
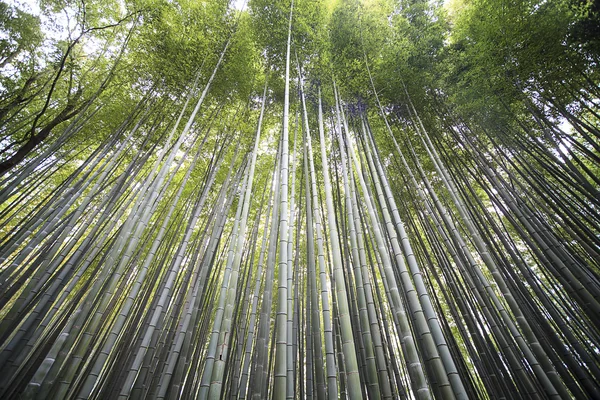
(415,51)
(177,39)
(270,24)
(585,30)
(20,35)
(358,33)
(241,74)
(503,50)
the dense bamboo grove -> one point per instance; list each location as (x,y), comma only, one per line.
(300,199)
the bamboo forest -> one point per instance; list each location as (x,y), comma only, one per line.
(299,199)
